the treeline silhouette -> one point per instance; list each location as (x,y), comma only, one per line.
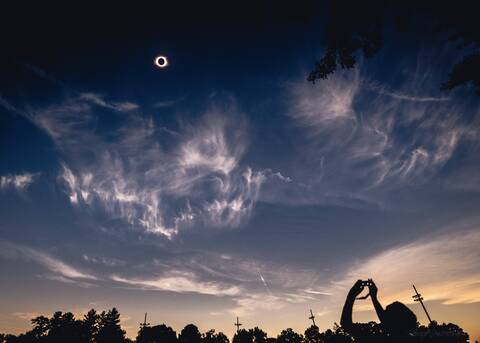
(105,327)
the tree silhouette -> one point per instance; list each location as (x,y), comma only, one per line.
(156,334)
(63,328)
(109,327)
(337,335)
(464,72)
(442,333)
(258,335)
(312,335)
(351,26)
(41,325)
(357,27)
(190,334)
(105,328)
(90,326)
(243,336)
(289,336)
(211,337)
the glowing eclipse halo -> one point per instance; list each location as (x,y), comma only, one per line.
(161,61)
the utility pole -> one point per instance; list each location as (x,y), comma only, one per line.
(312,318)
(144,324)
(418,297)
(237,324)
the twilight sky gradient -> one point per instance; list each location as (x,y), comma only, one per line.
(227,185)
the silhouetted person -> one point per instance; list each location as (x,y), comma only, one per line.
(397,320)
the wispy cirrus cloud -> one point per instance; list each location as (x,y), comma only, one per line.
(249,286)
(59,121)
(137,176)
(99,100)
(256,303)
(8,106)
(55,266)
(445,266)
(383,90)
(326,109)
(180,282)
(17,181)
(107,261)
(26,315)
(358,147)
(168,103)
(155,183)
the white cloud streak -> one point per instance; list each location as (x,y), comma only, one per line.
(107,261)
(445,267)
(326,109)
(402,96)
(52,264)
(168,103)
(116,106)
(17,181)
(357,148)
(26,315)
(153,184)
(242,281)
(180,282)
(256,303)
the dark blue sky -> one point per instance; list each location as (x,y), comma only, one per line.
(226,184)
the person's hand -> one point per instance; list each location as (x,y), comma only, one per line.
(372,288)
(356,289)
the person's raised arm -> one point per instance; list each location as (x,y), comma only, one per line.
(372,288)
(346,320)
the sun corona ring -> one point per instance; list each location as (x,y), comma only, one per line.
(161,61)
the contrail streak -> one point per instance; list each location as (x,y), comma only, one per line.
(265,283)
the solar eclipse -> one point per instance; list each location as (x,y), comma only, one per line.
(161,61)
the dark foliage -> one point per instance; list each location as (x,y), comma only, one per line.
(212,337)
(94,328)
(243,336)
(289,336)
(337,335)
(190,334)
(259,336)
(255,335)
(464,72)
(441,333)
(312,335)
(352,26)
(158,333)
(89,326)
(109,329)
(357,27)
